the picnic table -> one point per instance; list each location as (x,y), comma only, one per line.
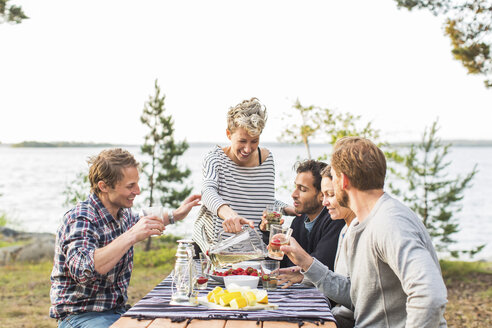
(297,304)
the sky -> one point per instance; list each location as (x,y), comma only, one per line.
(82,70)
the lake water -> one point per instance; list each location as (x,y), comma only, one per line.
(32,182)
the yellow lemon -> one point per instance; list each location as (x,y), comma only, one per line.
(250,297)
(262,296)
(238,303)
(217,289)
(210,296)
(217,296)
(227,298)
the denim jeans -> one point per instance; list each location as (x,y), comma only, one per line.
(92,319)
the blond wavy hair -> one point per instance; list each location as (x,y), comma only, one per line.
(249,114)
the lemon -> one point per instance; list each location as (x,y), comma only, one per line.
(238,303)
(250,297)
(262,297)
(227,298)
(217,296)
(216,289)
(210,296)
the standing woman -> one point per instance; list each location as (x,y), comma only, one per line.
(239,179)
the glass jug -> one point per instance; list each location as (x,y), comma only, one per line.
(245,245)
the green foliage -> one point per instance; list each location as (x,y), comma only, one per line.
(431,193)
(328,124)
(3,219)
(309,126)
(469,26)
(459,269)
(11,13)
(163,253)
(77,190)
(165,178)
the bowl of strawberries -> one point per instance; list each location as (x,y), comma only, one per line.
(218,275)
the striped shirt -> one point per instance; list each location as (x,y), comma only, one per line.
(247,190)
(75,284)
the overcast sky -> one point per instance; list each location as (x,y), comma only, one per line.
(82,70)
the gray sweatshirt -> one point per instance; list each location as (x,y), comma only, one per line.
(394,275)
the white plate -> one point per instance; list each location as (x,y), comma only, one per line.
(270,306)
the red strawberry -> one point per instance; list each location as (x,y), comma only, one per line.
(265,277)
(201,280)
(254,274)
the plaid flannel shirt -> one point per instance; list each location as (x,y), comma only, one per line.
(75,285)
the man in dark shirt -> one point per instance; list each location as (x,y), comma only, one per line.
(314,229)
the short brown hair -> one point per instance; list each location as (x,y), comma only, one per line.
(315,167)
(108,166)
(361,161)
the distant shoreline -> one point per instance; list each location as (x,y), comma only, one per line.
(72,144)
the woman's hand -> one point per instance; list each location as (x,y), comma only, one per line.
(290,276)
(232,221)
(235,224)
(297,254)
(182,211)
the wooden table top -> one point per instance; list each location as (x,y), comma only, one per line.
(127,322)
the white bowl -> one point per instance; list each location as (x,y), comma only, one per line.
(247,264)
(241,281)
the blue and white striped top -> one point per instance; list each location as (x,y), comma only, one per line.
(247,190)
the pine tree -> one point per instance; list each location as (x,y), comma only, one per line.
(11,14)
(433,195)
(163,172)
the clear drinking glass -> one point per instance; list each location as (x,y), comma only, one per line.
(273,214)
(278,236)
(202,271)
(269,274)
(153,211)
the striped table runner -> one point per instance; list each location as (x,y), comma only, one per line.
(296,304)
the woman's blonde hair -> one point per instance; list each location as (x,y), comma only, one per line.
(249,114)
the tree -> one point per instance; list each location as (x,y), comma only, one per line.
(11,13)
(433,195)
(162,171)
(76,190)
(469,26)
(324,122)
(309,126)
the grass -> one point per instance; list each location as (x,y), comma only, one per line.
(24,288)
(469,293)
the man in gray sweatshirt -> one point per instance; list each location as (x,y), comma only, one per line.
(394,274)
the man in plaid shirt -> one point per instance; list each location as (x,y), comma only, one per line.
(94,245)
